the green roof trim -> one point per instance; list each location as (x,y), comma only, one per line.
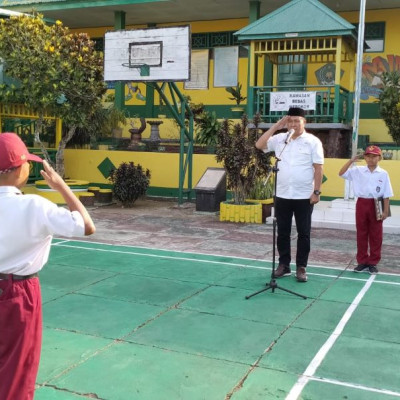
(46,5)
(298,18)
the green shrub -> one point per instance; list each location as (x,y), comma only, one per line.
(207,128)
(243,162)
(130,182)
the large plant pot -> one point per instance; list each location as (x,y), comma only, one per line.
(248,213)
(266,206)
(237,112)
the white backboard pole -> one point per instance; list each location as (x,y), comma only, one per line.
(357,92)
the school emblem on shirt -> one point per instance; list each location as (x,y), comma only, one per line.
(378,189)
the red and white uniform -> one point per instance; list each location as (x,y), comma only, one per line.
(367,186)
(27,225)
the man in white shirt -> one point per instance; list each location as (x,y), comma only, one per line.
(27,225)
(300,159)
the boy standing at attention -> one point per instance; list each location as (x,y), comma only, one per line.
(27,225)
(370,182)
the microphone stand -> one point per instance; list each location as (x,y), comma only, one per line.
(272,283)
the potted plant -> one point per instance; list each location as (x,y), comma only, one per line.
(106,123)
(236,93)
(130,182)
(207,128)
(244,165)
(263,192)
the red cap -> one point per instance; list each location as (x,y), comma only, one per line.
(373,150)
(13,152)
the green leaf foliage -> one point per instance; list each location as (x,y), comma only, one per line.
(389,103)
(58,72)
(207,128)
(236,93)
(130,182)
(243,162)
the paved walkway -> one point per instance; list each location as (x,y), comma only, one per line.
(166,225)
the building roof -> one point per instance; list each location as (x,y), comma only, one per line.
(298,18)
(97,13)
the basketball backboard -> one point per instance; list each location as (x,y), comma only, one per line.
(153,54)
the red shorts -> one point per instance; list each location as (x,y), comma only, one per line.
(20,337)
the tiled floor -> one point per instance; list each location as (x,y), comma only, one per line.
(160,313)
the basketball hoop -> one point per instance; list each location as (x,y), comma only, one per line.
(144,68)
(151,55)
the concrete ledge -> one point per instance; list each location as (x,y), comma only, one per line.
(340,214)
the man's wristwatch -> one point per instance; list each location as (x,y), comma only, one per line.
(317,192)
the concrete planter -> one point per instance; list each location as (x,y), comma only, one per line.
(247,213)
(266,206)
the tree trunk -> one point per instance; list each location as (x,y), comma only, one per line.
(38,130)
(60,167)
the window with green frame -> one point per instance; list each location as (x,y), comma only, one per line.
(207,40)
(374,36)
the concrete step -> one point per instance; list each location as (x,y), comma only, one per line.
(340,214)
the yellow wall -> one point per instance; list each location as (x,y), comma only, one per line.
(164,167)
(82,164)
(375,128)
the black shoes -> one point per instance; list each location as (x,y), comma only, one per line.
(361,268)
(372,269)
(366,268)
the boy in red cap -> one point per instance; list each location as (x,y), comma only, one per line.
(27,225)
(370,182)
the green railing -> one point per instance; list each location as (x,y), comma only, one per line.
(334,104)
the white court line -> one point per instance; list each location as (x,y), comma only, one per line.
(355,386)
(65,244)
(156,256)
(323,351)
(189,259)
(184,252)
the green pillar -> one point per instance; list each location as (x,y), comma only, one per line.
(119,23)
(254,10)
(149,106)
(254,15)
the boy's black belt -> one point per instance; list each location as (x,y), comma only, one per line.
(18,277)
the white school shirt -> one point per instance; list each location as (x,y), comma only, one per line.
(367,184)
(295,168)
(27,225)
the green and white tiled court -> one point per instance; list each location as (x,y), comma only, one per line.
(124,323)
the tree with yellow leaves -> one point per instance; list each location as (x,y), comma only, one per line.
(53,71)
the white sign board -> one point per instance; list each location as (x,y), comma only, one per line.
(211,179)
(282,101)
(154,54)
(198,70)
(226,66)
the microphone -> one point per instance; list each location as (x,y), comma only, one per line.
(289,136)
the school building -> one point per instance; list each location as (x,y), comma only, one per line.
(275,52)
